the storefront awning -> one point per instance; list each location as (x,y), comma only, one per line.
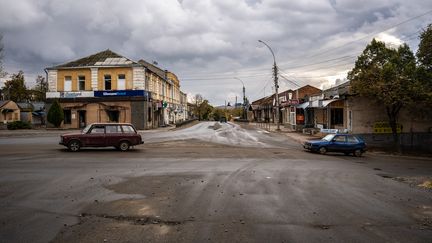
(303,105)
(325,103)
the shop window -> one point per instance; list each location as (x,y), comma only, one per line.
(337,116)
(67,116)
(107,81)
(121,82)
(81,82)
(67,83)
(113,116)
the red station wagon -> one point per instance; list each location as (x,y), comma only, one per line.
(118,135)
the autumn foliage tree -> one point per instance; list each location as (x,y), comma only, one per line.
(424,60)
(15,88)
(386,76)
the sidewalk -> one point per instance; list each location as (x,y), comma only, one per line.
(36,132)
(57,132)
(295,135)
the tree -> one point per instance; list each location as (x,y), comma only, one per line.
(424,71)
(205,110)
(197,100)
(424,52)
(15,88)
(55,114)
(2,72)
(41,88)
(201,108)
(386,76)
(217,114)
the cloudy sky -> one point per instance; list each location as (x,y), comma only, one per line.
(209,43)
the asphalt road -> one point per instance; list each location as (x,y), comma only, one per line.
(209,183)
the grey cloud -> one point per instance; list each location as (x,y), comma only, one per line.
(203,39)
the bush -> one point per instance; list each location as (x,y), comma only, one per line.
(19,125)
(55,114)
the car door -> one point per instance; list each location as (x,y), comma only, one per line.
(338,144)
(352,143)
(113,134)
(95,136)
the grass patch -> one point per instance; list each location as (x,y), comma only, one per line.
(426,184)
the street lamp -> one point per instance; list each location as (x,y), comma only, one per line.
(275,73)
(244,97)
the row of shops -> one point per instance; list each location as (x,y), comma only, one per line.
(333,110)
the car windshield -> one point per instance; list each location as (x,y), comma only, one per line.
(86,129)
(328,138)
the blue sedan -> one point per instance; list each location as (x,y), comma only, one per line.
(345,143)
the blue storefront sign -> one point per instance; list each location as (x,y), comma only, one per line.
(122,93)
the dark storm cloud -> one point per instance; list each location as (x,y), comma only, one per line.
(207,42)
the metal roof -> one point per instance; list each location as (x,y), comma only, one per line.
(103,58)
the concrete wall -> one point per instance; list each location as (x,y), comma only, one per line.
(408,141)
(365,114)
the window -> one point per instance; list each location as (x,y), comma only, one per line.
(97,130)
(67,116)
(81,82)
(339,139)
(67,83)
(113,115)
(128,129)
(149,114)
(113,129)
(337,116)
(352,139)
(121,82)
(107,80)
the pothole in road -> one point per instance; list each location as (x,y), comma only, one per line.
(140,220)
(387,176)
(321,226)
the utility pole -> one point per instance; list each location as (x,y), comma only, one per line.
(275,73)
(244,116)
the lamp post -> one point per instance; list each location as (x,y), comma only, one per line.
(244,98)
(275,73)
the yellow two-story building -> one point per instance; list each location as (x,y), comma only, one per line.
(104,87)
(164,87)
(108,87)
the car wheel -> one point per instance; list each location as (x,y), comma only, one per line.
(74,145)
(358,153)
(123,146)
(323,150)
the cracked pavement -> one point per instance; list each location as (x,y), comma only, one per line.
(208,184)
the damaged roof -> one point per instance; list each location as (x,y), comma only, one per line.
(103,58)
(152,68)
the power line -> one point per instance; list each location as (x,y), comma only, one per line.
(374,33)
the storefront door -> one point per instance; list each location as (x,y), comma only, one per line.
(82,119)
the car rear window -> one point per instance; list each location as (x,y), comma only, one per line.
(352,139)
(128,129)
(113,129)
